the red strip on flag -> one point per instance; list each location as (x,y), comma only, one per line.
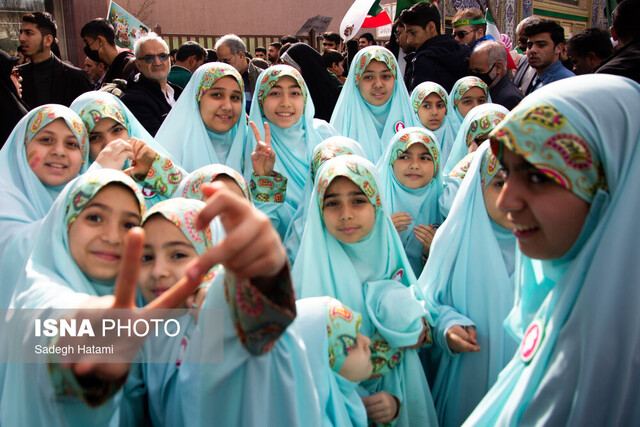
(377,21)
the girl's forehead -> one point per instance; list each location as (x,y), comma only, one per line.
(287,81)
(375,65)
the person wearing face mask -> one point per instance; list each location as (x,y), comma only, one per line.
(99,38)
(489,62)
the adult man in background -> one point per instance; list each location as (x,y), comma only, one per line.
(331,40)
(626,60)
(149,95)
(469,27)
(96,71)
(100,44)
(524,73)
(365,40)
(261,53)
(273,53)
(588,49)
(189,57)
(489,62)
(231,50)
(545,40)
(46,79)
(438,58)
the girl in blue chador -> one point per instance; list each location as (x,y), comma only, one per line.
(48,148)
(467,93)
(468,279)
(570,152)
(412,187)
(327,149)
(474,131)
(429,101)
(339,356)
(118,141)
(350,251)
(374,103)
(284,136)
(208,124)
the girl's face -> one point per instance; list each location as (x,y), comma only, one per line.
(105,131)
(432,111)
(347,213)
(284,104)
(96,237)
(376,83)
(221,105)
(357,366)
(414,168)
(54,154)
(472,98)
(230,183)
(167,253)
(547,218)
(491,192)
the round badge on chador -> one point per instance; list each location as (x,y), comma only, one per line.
(531,342)
(148,193)
(399,126)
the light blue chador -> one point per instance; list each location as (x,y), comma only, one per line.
(477,124)
(328,328)
(33,393)
(24,199)
(468,279)
(164,175)
(578,361)
(293,146)
(187,138)
(421,203)
(372,126)
(457,92)
(327,149)
(373,277)
(445,134)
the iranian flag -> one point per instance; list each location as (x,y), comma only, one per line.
(492,29)
(363,14)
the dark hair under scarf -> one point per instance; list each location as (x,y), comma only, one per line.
(12,108)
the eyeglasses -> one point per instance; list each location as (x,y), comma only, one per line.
(460,34)
(150,59)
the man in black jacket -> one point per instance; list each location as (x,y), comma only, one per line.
(626,59)
(438,57)
(149,95)
(99,38)
(46,79)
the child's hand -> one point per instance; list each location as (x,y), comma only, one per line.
(251,248)
(401,220)
(115,154)
(263,157)
(123,299)
(424,234)
(381,407)
(195,301)
(424,337)
(143,157)
(462,339)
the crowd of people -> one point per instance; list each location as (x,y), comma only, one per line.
(433,232)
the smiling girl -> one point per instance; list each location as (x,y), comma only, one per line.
(469,280)
(282,117)
(350,251)
(118,141)
(374,103)
(207,125)
(570,152)
(412,185)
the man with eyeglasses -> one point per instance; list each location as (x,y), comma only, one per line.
(469,27)
(149,95)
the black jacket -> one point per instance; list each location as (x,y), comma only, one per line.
(506,93)
(145,99)
(60,83)
(625,62)
(123,65)
(440,59)
(12,109)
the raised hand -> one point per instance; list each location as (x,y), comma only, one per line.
(462,339)
(251,248)
(114,154)
(263,157)
(401,220)
(143,157)
(381,407)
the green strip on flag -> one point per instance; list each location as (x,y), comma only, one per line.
(406,4)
